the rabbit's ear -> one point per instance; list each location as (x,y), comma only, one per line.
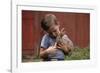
(62,29)
(55,44)
(62,32)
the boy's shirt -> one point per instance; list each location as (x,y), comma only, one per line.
(48,41)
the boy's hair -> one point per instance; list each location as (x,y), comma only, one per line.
(47,21)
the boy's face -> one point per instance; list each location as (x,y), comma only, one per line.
(54,30)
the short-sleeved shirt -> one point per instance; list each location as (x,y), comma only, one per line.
(48,41)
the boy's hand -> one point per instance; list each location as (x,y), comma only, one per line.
(62,46)
(51,49)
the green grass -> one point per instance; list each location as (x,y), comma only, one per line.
(79,54)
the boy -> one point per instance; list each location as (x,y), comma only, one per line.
(55,44)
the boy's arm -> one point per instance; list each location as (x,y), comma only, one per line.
(63,47)
(44,52)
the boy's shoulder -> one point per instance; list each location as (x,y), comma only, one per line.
(45,36)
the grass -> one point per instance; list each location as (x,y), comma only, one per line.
(79,54)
